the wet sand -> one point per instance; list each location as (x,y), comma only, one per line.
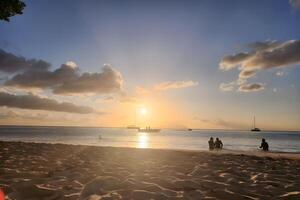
(56,171)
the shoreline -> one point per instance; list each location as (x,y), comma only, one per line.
(259,153)
(125,127)
(61,171)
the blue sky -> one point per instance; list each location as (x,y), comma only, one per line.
(150,42)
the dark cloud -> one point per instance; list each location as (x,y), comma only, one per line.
(34,102)
(108,81)
(251,87)
(282,55)
(230,62)
(265,55)
(262,46)
(67,79)
(11,63)
(43,78)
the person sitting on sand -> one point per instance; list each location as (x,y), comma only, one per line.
(211,144)
(264,145)
(218,144)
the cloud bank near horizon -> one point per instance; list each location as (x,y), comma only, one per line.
(33,102)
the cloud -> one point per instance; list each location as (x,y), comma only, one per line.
(264,55)
(295,3)
(11,63)
(10,114)
(280,73)
(71,64)
(68,80)
(227,86)
(261,56)
(251,87)
(247,74)
(108,81)
(164,86)
(175,85)
(231,61)
(34,102)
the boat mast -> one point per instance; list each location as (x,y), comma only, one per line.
(135,110)
(254,122)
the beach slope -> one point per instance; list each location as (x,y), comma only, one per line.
(56,171)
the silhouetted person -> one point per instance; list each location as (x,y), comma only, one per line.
(218,144)
(264,145)
(211,144)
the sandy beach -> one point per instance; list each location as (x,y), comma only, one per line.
(56,171)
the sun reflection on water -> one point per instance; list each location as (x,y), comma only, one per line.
(143,139)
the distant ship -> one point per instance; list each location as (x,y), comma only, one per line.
(148,130)
(132,127)
(190,129)
(255,129)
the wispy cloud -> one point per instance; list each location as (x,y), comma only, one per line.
(227,86)
(169,85)
(247,74)
(280,73)
(251,87)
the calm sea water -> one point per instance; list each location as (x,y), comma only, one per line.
(169,139)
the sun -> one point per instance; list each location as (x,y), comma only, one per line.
(143,111)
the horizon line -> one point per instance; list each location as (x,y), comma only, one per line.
(124,127)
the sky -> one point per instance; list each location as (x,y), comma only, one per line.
(190,64)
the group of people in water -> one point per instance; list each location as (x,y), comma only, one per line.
(217,144)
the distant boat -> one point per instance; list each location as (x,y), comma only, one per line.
(132,127)
(190,129)
(255,129)
(148,130)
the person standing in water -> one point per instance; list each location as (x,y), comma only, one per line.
(264,145)
(211,144)
(218,144)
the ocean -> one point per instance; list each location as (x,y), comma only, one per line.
(166,139)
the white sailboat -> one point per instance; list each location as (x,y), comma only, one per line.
(254,127)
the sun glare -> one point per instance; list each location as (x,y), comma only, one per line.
(143,111)
(143,140)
